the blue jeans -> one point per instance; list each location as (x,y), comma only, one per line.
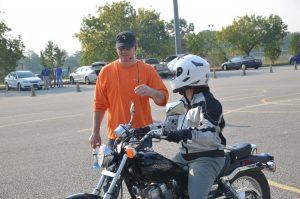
(202,174)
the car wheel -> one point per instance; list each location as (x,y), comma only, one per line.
(19,87)
(86,80)
(72,80)
(6,86)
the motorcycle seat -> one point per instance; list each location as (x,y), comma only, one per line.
(238,151)
(233,153)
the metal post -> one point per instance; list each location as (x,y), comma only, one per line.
(176,28)
(77,87)
(32,91)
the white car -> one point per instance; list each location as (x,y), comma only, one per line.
(22,79)
(87,74)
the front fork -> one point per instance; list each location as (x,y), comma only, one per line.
(115,176)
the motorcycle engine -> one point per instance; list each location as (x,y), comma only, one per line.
(156,191)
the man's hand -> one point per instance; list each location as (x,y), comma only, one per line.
(95,140)
(144,90)
(177,136)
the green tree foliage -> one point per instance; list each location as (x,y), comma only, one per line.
(11,50)
(52,56)
(185,29)
(151,34)
(31,61)
(97,34)
(274,31)
(244,34)
(294,47)
(72,62)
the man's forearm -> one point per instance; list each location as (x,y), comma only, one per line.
(97,120)
(158,97)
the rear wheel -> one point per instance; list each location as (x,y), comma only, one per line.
(251,185)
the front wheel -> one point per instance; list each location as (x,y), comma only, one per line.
(251,184)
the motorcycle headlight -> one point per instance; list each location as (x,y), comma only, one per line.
(104,156)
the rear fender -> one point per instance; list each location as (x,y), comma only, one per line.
(83,196)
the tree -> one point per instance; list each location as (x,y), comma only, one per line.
(97,34)
(53,56)
(156,43)
(11,50)
(244,34)
(184,29)
(274,30)
(294,47)
(73,61)
(31,61)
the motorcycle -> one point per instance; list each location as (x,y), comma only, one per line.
(148,174)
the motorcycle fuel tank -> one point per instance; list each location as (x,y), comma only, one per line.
(153,167)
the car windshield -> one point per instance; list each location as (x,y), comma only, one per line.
(24,74)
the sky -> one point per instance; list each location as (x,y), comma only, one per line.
(39,21)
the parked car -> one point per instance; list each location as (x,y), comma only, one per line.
(169,58)
(161,69)
(87,74)
(238,62)
(294,59)
(22,79)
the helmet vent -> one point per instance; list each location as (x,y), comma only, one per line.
(197,64)
(186,79)
(179,71)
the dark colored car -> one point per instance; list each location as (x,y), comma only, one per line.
(169,58)
(161,69)
(294,59)
(238,62)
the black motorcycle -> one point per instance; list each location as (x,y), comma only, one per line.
(149,175)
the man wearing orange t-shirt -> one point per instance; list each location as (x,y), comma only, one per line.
(121,82)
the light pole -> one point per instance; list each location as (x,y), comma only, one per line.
(176,28)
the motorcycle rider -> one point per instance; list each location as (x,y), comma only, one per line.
(199,130)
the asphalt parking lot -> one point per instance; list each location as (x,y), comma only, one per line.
(44,149)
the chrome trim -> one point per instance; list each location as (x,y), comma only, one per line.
(254,149)
(271,166)
(237,170)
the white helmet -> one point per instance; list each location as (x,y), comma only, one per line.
(191,71)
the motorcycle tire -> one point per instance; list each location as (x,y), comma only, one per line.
(257,185)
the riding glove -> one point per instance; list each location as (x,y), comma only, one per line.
(177,136)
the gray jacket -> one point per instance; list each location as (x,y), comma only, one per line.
(204,117)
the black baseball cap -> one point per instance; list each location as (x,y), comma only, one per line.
(125,39)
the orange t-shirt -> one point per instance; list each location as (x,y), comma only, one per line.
(115,91)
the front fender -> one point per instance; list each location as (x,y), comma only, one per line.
(83,196)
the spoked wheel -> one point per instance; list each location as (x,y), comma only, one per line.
(251,185)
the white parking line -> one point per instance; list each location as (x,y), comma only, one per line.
(40,120)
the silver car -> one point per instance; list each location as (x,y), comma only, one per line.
(86,74)
(22,79)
